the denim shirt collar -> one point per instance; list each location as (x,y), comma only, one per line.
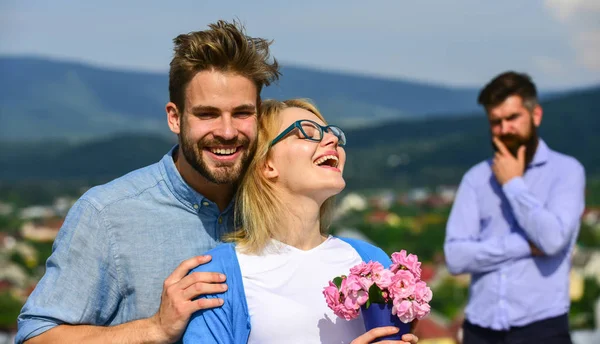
(182,191)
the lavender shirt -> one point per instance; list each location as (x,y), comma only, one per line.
(488,232)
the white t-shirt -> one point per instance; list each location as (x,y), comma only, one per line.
(284,291)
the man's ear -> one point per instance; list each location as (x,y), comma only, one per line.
(270,171)
(537,115)
(173,117)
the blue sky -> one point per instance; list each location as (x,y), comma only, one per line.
(460,42)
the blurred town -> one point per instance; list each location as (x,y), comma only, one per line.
(413,220)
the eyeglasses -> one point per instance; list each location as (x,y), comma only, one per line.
(312,131)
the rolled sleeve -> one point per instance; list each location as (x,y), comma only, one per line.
(32,328)
(80,285)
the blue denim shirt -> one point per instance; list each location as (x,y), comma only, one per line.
(488,231)
(116,247)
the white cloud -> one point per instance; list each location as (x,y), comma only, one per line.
(550,66)
(589,43)
(566,10)
(582,19)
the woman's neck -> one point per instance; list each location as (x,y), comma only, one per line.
(300,225)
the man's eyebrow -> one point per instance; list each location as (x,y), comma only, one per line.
(213,109)
(498,119)
(204,108)
(245,107)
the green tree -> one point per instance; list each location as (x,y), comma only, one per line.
(10,306)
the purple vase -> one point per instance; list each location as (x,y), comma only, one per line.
(379,315)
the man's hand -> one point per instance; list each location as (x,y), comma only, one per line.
(536,252)
(179,291)
(378,332)
(506,166)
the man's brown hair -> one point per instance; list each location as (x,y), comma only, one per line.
(224,47)
(509,84)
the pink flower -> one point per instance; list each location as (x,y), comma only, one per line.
(346,313)
(411,262)
(404,310)
(366,269)
(352,289)
(403,285)
(337,302)
(422,292)
(332,295)
(365,282)
(420,309)
(365,273)
(350,284)
(356,299)
(383,278)
(400,284)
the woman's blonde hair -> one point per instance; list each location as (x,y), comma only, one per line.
(258,209)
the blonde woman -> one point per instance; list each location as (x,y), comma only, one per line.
(279,261)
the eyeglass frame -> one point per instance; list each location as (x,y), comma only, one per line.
(322,129)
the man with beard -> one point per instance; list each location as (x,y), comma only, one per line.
(514,223)
(119,268)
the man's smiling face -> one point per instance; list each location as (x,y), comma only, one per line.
(218,128)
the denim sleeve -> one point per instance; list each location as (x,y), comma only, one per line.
(229,323)
(213,325)
(464,251)
(80,285)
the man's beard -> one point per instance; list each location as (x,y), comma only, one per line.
(513,142)
(224,173)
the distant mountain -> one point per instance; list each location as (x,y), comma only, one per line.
(353,100)
(41,98)
(439,150)
(49,99)
(400,153)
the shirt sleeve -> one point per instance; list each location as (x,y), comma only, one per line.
(80,285)
(550,226)
(464,251)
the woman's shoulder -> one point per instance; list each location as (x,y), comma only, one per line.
(223,258)
(367,251)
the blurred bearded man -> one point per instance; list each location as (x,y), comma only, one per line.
(514,223)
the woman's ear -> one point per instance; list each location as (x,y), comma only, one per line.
(269,170)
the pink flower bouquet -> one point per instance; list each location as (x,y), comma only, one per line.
(398,290)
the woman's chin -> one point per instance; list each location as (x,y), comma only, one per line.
(333,191)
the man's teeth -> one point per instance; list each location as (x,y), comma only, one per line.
(223,151)
(322,159)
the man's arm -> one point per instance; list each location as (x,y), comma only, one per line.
(81,287)
(139,331)
(550,226)
(166,326)
(463,249)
